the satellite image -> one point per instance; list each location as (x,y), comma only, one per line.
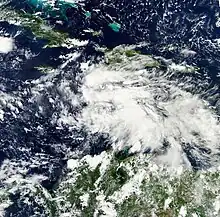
(109,108)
